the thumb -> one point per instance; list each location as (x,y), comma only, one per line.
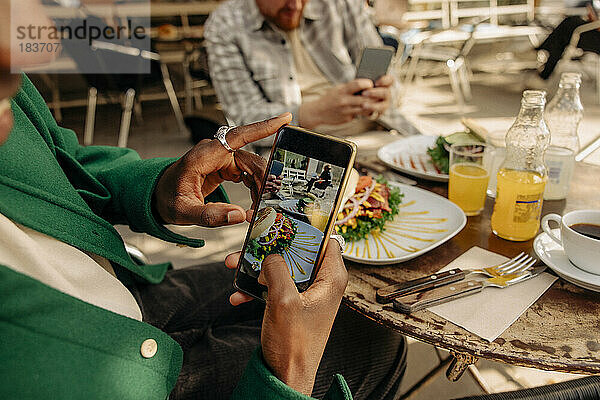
(332,277)
(217,214)
(275,275)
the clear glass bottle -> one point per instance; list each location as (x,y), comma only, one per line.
(522,176)
(497,141)
(563,115)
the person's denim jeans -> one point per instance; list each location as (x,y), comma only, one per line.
(192,306)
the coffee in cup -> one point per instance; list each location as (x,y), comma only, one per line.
(579,237)
(589,230)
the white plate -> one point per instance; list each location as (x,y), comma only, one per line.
(409,155)
(553,255)
(425,221)
(298,256)
(291,206)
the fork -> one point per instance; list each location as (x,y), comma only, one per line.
(518,263)
(418,301)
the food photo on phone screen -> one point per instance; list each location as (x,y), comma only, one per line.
(297,202)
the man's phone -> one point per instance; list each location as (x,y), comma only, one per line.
(374,62)
(297,225)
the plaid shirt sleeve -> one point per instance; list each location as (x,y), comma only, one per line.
(359,31)
(242,99)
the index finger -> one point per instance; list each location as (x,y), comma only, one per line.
(242,135)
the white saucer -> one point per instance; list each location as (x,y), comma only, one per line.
(553,255)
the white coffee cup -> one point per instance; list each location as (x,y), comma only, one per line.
(583,251)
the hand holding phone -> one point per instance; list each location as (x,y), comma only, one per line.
(379,98)
(374,64)
(296,325)
(336,106)
(297,224)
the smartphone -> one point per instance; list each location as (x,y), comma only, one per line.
(297,220)
(374,62)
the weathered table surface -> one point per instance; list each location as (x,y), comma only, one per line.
(560,332)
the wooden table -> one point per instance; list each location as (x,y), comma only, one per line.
(560,332)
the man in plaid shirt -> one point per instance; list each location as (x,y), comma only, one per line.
(271,56)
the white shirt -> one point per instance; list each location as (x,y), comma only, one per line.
(63,267)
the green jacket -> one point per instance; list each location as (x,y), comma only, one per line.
(54,346)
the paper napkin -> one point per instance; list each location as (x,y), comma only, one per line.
(490,312)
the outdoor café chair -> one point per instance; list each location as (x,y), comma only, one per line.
(587,388)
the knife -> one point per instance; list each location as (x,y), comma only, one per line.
(418,301)
(389,293)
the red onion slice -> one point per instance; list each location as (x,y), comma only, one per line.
(351,215)
(368,192)
(356,204)
(274,229)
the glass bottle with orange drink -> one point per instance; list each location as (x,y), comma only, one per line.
(522,176)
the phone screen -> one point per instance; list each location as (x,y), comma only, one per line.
(303,185)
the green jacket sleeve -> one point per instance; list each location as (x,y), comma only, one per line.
(259,382)
(115,182)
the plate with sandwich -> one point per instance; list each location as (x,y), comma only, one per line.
(277,233)
(427,157)
(385,223)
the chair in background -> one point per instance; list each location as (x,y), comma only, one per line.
(588,149)
(493,9)
(196,76)
(202,123)
(411,13)
(127,86)
(451,44)
(454,61)
(101,57)
(587,388)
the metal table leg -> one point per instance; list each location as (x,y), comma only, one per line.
(459,364)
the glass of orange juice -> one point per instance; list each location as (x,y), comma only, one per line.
(317,215)
(469,175)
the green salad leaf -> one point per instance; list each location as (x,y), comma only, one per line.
(439,155)
(366,225)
